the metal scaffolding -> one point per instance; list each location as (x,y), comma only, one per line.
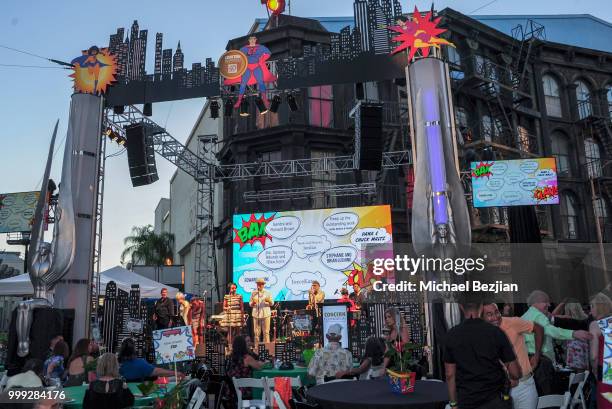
(368,189)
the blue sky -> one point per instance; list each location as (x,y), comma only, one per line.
(33,98)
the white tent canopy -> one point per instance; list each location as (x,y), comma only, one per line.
(21,286)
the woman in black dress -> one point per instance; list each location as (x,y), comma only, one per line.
(109,390)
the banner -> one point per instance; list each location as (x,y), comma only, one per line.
(336,314)
(17,211)
(523,182)
(292,249)
(606,329)
(173,345)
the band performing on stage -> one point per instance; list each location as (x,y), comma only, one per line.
(268,322)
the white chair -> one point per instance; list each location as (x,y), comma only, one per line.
(279,401)
(3,381)
(295,382)
(554,401)
(197,399)
(578,397)
(252,383)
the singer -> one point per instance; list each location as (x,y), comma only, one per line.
(261,301)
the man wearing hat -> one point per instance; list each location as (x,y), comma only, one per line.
(327,362)
(261,301)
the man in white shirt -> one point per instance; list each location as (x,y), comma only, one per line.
(328,361)
(261,301)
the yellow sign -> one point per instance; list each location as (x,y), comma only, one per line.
(233,64)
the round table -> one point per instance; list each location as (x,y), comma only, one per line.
(78,394)
(377,394)
(300,371)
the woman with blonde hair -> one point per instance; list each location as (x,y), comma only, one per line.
(576,350)
(397,327)
(601,309)
(109,390)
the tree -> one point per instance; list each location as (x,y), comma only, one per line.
(146,247)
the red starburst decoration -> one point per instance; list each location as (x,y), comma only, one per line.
(253,231)
(419,34)
(483,169)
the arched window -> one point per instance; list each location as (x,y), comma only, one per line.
(601,210)
(552,96)
(583,100)
(593,157)
(561,149)
(609,98)
(569,215)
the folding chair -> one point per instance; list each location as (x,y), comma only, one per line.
(554,401)
(217,386)
(252,383)
(295,382)
(578,397)
(279,400)
(197,399)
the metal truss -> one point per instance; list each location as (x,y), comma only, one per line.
(368,189)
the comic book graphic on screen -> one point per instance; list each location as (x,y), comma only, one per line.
(291,249)
(524,182)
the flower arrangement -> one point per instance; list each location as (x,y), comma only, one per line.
(403,365)
(173,399)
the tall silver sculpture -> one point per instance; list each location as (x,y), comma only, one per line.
(48,262)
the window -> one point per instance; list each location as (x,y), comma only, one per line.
(487,69)
(321,106)
(454,62)
(562,151)
(491,129)
(322,180)
(524,139)
(583,100)
(609,98)
(461,117)
(593,158)
(601,211)
(569,216)
(552,97)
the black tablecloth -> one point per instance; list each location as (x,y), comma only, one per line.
(377,394)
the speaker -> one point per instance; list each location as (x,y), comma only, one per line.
(371,131)
(141,156)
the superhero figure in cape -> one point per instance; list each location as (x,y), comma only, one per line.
(257,71)
(92,63)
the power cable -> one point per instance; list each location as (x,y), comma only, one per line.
(65,64)
(483,6)
(32,66)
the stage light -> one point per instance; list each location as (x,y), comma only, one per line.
(261,105)
(115,137)
(244,108)
(292,102)
(228,109)
(276,7)
(118,109)
(214,109)
(276,101)
(147,109)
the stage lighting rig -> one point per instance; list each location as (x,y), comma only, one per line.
(214,109)
(275,104)
(275,7)
(115,137)
(228,108)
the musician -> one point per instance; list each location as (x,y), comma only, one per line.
(316,296)
(184,307)
(197,319)
(261,301)
(163,311)
(345,299)
(233,309)
(358,296)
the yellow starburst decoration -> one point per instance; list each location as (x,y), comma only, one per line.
(94,71)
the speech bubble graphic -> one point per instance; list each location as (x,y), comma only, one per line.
(275,257)
(485,196)
(499,168)
(529,184)
(305,246)
(300,282)
(529,166)
(283,227)
(544,173)
(248,279)
(339,258)
(511,196)
(370,235)
(495,183)
(341,224)
(514,178)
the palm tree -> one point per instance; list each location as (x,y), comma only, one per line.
(147,247)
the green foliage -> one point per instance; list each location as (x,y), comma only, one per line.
(401,360)
(143,246)
(173,399)
(147,388)
(91,366)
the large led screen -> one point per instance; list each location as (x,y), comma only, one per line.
(17,211)
(291,249)
(523,182)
